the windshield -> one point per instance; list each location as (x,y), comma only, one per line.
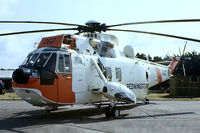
(27,59)
(31,60)
(37,59)
(41,60)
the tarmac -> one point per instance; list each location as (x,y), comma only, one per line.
(156,117)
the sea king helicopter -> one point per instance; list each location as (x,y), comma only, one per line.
(87,67)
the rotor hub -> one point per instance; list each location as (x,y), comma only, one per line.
(92,26)
(92,23)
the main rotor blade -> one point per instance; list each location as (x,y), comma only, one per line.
(36,31)
(156,22)
(39,22)
(158,34)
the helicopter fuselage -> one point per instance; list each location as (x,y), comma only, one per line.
(54,77)
(75,82)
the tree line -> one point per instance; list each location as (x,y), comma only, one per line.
(189,64)
(153,59)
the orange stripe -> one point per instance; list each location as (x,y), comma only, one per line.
(159,75)
(48,91)
(65,93)
(60,92)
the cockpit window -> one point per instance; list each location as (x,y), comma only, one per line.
(27,59)
(64,64)
(32,59)
(42,59)
(36,59)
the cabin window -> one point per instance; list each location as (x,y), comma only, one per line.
(95,35)
(108,73)
(147,76)
(67,63)
(61,63)
(64,64)
(118,74)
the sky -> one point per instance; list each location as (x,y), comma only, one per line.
(14,49)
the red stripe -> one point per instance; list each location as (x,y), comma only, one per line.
(159,75)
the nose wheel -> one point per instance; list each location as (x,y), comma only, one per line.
(112,112)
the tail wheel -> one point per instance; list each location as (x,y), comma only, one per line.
(146,101)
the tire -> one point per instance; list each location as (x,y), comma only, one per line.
(115,112)
(146,101)
(107,112)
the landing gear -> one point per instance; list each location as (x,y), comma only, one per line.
(146,101)
(112,112)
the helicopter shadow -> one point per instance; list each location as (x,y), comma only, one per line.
(65,115)
(61,116)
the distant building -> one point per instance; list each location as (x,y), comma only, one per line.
(182,86)
(186,80)
(6,74)
(6,78)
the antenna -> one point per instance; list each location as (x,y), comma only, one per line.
(34,45)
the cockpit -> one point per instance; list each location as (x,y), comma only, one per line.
(44,63)
(48,58)
(41,58)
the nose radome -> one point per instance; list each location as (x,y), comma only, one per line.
(21,75)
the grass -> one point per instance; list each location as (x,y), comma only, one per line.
(9,96)
(167,97)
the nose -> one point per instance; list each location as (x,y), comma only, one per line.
(21,75)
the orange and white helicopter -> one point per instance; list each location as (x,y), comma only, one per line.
(88,68)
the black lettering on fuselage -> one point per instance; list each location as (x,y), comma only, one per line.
(136,85)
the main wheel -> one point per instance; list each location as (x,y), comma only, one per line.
(112,112)
(108,112)
(115,112)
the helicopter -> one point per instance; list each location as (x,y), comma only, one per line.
(87,67)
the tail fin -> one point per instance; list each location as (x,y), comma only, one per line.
(176,60)
(173,65)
